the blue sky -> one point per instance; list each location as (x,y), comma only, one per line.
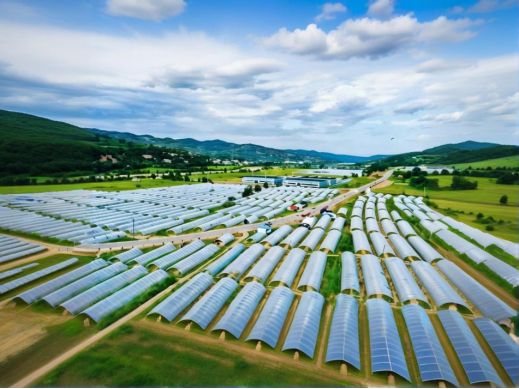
(340,76)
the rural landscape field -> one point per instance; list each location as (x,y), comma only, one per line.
(274,194)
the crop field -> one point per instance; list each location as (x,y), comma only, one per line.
(300,307)
(512,162)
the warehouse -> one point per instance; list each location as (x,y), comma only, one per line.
(271,180)
(310,182)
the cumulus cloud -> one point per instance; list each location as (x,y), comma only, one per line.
(146,9)
(486,6)
(371,38)
(382,9)
(330,11)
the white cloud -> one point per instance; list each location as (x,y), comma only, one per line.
(382,9)
(370,38)
(443,117)
(237,74)
(485,6)
(330,10)
(441,65)
(146,9)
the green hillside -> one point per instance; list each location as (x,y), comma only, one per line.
(34,145)
(508,162)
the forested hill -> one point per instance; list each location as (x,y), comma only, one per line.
(34,145)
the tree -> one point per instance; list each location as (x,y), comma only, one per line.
(480,216)
(461,183)
(257,188)
(266,185)
(247,191)
(489,228)
(507,179)
(186,178)
(416,171)
(444,172)
(204,179)
(153,176)
(503,200)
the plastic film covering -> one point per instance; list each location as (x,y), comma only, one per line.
(314,271)
(32,295)
(388,227)
(331,241)
(215,267)
(504,270)
(172,258)
(424,249)
(382,246)
(266,265)
(360,242)
(386,349)
(403,248)
(273,316)
(370,213)
(91,296)
(471,355)
(356,224)
(374,277)
(76,287)
(372,226)
(257,237)
(244,261)
(295,237)
(440,290)
(396,216)
(241,309)
(486,303)
(181,298)
(303,332)
(36,275)
(343,211)
(343,343)
(349,273)
(357,212)
(405,228)
(406,287)
(276,237)
(153,254)
(383,214)
(503,346)
(119,299)
(204,311)
(338,224)
(432,360)
(126,256)
(313,238)
(288,270)
(199,257)
(457,242)
(225,239)
(323,222)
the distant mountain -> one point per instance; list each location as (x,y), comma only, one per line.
(224,150)
(467,145)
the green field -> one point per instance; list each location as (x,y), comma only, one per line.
(459,204)
(137,357)
(109,186)
(488,192)
(512,162)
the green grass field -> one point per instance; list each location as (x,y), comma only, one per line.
(488,192)
(109,186)
(137,357)
(484,199)
(493,163)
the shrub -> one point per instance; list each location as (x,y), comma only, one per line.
(489,228)
(461,183)
(503,200)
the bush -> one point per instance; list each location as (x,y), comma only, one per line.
(247,191)
(257,188)
(480,216)
(503,200)
(228,204)
(507,179)
(461,183)
(489,228)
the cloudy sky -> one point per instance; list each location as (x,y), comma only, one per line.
(343,77)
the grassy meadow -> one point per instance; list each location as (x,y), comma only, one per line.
(464,205)
(512,161)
